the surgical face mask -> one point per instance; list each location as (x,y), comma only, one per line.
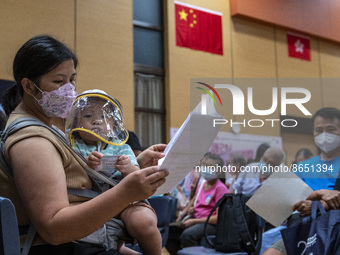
(265,169)
(207,173)
(327,142)
(58,103)
(262,166)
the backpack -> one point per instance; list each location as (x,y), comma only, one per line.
(238,229)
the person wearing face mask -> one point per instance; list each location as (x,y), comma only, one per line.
(237,161)
(254,174)
(319,172)
(190,231)
(45,169)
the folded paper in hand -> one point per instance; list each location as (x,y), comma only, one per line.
(274,200)
(190,143)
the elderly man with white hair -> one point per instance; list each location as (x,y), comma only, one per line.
(252,175)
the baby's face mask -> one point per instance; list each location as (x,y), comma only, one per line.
(94,118)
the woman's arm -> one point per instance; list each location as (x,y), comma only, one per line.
(41,182)
(190,222)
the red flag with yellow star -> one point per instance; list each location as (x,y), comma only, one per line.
(298,46)
(198,28)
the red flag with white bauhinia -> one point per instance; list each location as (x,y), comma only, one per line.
(298,46)
(198,28)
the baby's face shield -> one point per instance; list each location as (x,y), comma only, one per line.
(96,118)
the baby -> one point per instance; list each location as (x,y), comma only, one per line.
(97,131)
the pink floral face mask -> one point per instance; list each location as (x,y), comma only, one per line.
(58,103)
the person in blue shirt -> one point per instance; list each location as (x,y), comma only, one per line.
(254,174)
(319,172)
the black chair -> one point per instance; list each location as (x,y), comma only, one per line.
(10,240)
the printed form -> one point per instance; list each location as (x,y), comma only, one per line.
(190,143)
(274,200)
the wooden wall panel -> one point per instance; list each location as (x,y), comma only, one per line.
(330,92)
(289,67)
(20,20)
(253,55)
(330,73)
(105,49)
(262,100)
(253,50)
(329,59)
(304,73)
(184,63)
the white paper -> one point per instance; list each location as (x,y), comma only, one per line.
(274,200)
(189,145)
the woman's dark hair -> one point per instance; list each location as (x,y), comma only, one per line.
(238,158)
(217,158)
(3,120)
(260,151)
(36,57)
(305,152)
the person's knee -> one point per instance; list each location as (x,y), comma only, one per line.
(188,238)
(277,248)
(272,251)
(146,225)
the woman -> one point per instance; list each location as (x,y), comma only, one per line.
(45,70)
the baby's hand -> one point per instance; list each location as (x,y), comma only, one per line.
(94,160)
(125,166)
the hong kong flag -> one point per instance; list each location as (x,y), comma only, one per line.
(198,28)
(298,46)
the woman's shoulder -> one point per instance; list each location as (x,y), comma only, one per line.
(34,132)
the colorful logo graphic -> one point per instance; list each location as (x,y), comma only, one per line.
(208,92)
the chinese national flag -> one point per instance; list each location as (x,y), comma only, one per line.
(198,28)
(298,46)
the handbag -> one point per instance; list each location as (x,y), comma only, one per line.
(238,228)
(317,234)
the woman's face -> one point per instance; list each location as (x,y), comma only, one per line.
(62,74)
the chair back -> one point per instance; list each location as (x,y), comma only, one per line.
(9,234)
(164,207)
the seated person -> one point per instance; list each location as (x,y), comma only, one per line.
(236,162)
(191,221)
(44,167)
(3,120)
(302,155)
(326,130)
(95,128)
(184,191)
(134,143)
(249,180)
